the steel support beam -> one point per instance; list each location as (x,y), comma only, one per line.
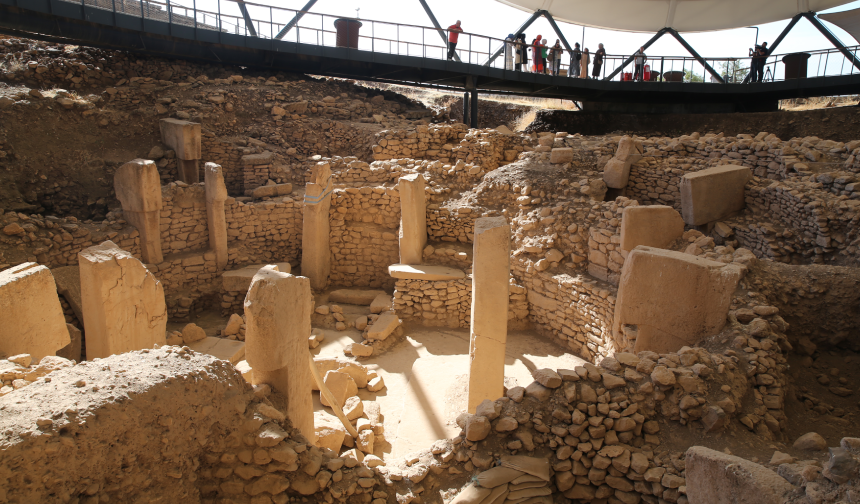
(521,29)
(555,27)
(629,60)
(249,23)
(466,108)
(442,32)
(693,52)
(474,115)
(289,26)
(832,38)
(776,42)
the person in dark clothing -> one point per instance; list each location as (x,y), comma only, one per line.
(598,61)
(522,53)
(759,59)
(454,32)
(575,56)
(639,58)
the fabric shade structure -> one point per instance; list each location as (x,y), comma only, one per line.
(682,15)
(847,20)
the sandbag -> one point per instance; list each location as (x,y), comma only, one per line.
(530,465)
(525,478)
(538,500)
(498,495)
(472,495)
(491,478)
(527,484)
(530,492)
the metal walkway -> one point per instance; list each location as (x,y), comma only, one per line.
(306,45)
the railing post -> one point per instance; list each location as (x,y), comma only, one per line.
(194,4)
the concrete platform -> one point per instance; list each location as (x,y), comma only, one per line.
(424,272)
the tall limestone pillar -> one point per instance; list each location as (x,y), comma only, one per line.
(316,252)
(413,219)
(138,189)
(123,303)
(216,194)
(278,323)
(185,138)
(491,268)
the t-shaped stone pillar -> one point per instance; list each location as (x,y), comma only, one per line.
(184,137)
(138,188)
(316,253)
(123,303)
(216,194)
(413,219)
(278,323)
(491,269)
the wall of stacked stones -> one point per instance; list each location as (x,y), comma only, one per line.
(266,231)
(184,225)
(230,159)
(364,236)
(450,143)
(449,303)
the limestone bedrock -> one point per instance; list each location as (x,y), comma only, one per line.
(715,477)
(138,189)
(672,298)
(713,194)
(123,303)
(278,310)
(652,226)
(491,267)
(31,317)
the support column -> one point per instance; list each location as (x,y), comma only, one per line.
(491,268)
(185,138)
(316,252)
(413,219)
(466,108)
(123,303)
(138,189)
(216,194)
(278,323)
(473,117)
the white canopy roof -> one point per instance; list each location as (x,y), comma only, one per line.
(847,20)
(682,15)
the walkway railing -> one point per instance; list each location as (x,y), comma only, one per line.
(267,22)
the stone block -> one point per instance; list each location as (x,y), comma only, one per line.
(239,280)
(272,191)
(68,279)
(713,194)
(216,195)
(31,317)
(383,327)
(413,219)
(361,297)
(629,150)
(380,303)
(674,299)
(72,351)
(714,477)
(652,226)
(123,303)
(231,351)
(424,272)
(561,155)
(184,137)
(138,189)
(616,173)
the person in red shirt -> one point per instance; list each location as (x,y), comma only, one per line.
(454,32)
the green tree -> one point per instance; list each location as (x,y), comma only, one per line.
(736,70)
(689,76)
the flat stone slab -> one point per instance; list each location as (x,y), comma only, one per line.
(381,303)
(240,280)
(225,349)
(424,272)
(363,297)
(383,327)
(271,191)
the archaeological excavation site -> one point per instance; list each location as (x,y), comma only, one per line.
(226,285)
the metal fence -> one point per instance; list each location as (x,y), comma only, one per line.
(306,27)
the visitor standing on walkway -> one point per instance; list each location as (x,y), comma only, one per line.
(639,59)
(598,61)
(536,59)
(556,52)
(509,52)
(575,56)
(584,61)
(522,53)
(454,32)
(543,54)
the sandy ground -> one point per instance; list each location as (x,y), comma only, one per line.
(426,378)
